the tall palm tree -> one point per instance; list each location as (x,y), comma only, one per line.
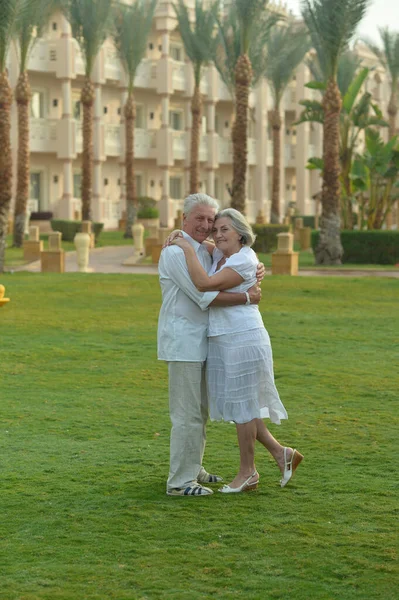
(240,57)
(31,19)
(198,39)
(8,13)
(332,25)
(90,24)
(389,58)
(131,27)
(286,48)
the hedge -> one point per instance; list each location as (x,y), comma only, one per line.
(266,237)
(308,220)
(148,212)
(367,247)
(70,228)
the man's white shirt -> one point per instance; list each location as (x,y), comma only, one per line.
(183,319)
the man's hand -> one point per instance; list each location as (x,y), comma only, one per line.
(260,272)
(255,294)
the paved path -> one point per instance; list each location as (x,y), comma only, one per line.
(110,259)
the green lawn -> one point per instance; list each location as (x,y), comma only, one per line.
(85,440)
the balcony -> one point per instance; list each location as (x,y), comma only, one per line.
(179,145)
(112,65)
(311,151)
(225,151)
(43,135)
(43,57)
(223,92)
(112,140)
(178,75)
(146,75)
(251,151)
(289,154)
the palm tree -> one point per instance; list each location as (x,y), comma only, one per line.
(332,25)
(131,27)
(198,40)
(8,13)
(286,48)
(240,57)
(32,17)
(90,24)
(389,58)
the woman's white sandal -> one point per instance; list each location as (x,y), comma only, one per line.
(290,465)
(245,487)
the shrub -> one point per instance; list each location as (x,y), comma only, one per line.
(148,212)
(266,237)
(367,247)
(145,202)
(70,228)
(41,216)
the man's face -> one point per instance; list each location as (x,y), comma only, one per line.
(199,222)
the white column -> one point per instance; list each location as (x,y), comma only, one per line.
(165,213)
(66,131)
(98,141)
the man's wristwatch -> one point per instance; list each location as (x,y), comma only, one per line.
(248,299)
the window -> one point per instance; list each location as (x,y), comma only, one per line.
(175,188)
(37,105)
(139,185)
(140,117)
(77,185)
(176,120)
(77,110)
(35,192)
(176,53)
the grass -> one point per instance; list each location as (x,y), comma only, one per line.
(85,439)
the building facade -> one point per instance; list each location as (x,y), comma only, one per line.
(163,89)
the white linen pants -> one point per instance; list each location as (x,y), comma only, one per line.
(188,406)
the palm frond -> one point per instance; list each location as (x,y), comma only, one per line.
(388,55)
(199,37)
(348,66)
(248,13)
(131,27)
(8,13)
(33,16)
(286,48)
(332,25)
(90,22)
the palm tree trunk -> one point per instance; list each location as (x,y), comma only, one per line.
(329,249)
(131,194)
(22,96)
(275,120)
(5,162)
(87,99)
(196,111)
(392,112)
(243,77)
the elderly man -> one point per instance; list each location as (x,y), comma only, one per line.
(182,342)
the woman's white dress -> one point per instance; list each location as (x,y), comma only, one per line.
(240,362)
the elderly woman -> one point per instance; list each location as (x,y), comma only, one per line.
(240,363)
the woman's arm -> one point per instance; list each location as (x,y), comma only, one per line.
(223,280)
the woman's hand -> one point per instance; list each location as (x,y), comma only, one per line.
(176,233)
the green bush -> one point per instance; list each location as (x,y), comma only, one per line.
(70,228)
(145,202)
(266,237)
(367,247)
(308,220)
(148,212)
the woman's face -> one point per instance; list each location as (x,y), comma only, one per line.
(225,236)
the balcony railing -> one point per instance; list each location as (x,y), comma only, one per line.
(146,75)
(179,145)
(112,140)
(43,56)
(43,135)
(179,75)
(112,65)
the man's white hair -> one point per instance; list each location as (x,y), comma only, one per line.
(194,199)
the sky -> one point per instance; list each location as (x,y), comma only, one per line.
(381,13)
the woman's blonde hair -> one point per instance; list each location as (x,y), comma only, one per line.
(239,224)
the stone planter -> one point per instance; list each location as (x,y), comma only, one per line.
(147,222)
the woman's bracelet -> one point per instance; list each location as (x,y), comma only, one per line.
(248,299)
